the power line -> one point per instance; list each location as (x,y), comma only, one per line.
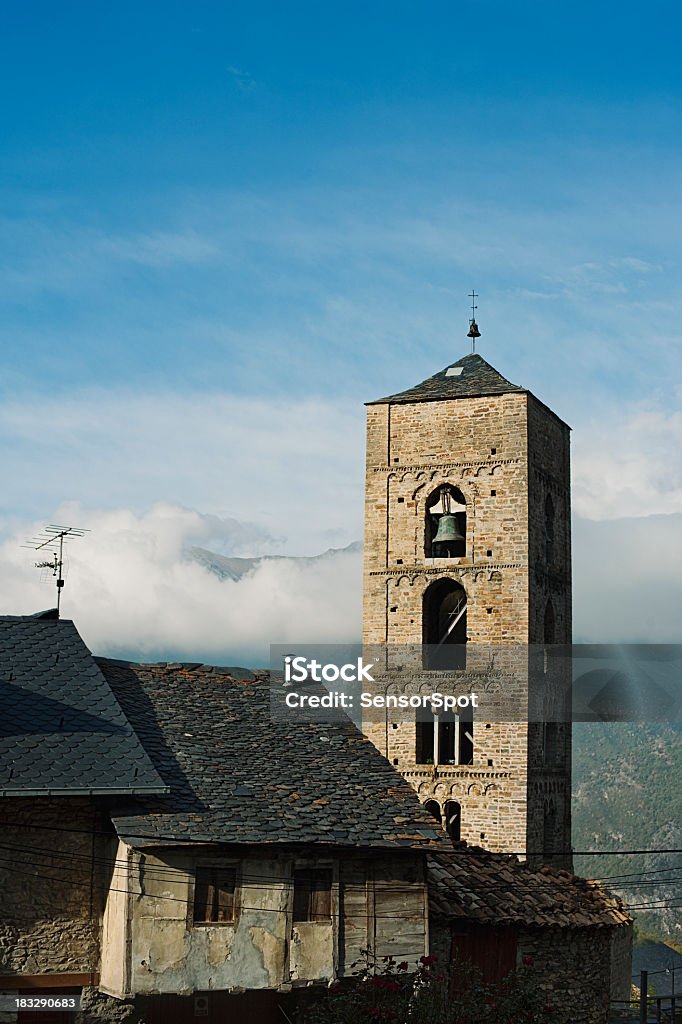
(178,899)
(467,851)
(161,873)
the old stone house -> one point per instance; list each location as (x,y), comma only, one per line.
(65,749)
(494,912)
(171,852)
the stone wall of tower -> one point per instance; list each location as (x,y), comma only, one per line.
(499,451)
(549,581)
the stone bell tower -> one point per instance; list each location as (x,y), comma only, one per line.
(467,543)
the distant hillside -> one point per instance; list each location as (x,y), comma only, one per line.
(226,567)
(627,794)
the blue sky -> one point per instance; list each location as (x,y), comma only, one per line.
(226,226)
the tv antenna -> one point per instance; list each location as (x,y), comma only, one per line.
(53,536)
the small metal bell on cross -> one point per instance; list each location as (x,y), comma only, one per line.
(474,331)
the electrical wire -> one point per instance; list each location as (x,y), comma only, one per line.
(467,851)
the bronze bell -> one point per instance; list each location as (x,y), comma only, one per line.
(473,330)
(448,531)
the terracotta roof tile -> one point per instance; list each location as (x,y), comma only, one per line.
(472,884)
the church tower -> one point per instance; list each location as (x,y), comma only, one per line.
(467,543)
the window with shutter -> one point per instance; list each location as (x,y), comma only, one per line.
(313,894)
(214,894)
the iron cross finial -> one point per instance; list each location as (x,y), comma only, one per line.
(473,326)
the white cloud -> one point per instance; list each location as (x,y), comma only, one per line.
(133,592)
(626,580)
(629,464)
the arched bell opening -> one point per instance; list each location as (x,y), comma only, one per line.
(453,820)
(444,625)
(433,807)
(446,523)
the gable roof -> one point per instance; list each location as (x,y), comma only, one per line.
(471,884)
(236,776)
(476,377)
(62,731)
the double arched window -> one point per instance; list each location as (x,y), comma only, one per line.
(452,812)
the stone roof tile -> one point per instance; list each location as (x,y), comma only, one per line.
(241,777)
(467,378)
(61,729)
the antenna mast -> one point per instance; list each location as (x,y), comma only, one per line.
(54,536)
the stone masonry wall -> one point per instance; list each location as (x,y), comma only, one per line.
(52,901)
(550,582)
(571,966)
(502,452)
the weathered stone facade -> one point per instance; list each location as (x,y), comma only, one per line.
(150,946)
(576,971)
(508,457)
(51,878)
(52,881)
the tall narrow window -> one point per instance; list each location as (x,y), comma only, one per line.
(550,742)
(447,738)
(444,625)
(549,830)
(214,895)
(549,530)
(446,524)
(313,894)
(453,820)
(465,739)
(425,745)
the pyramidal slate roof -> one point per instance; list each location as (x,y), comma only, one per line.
(62,732)
(469,377)
(237,776)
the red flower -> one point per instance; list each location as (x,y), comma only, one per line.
(392,986)
(428,960)
(403,966)
(439,977)
(528,961)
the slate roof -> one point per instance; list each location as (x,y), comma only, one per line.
(62,731)
(477,377)
(236,776)
(470,884)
